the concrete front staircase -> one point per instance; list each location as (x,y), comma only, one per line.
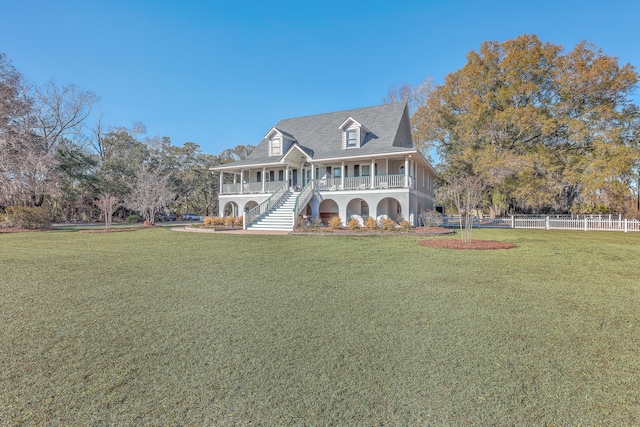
(279,218)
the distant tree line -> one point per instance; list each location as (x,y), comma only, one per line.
(546,130)
(50,157)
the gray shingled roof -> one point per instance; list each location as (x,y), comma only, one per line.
(319,135)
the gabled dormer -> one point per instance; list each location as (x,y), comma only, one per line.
(353,133)
(279,142)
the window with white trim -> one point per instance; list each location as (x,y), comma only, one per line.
(351,138)
(276,147)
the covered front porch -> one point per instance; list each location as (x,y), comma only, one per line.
(329,175)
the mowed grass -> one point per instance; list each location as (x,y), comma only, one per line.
(155,327)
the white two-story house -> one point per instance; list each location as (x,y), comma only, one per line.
(354,162)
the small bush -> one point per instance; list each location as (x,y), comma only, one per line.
(208,221)
(218,221)
(303,223)
(133,218)
(406,225)
(316,222)
(238,221)
(335,222)
(371,223)
(431,218)
(353,224)
(388,224)
(228,221)
(31,218)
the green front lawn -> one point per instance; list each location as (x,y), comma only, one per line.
(155,327)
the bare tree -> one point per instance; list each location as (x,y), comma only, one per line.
(239,152)
(150,192)
(33,123)
(60,112)
(107,203)
(465,192)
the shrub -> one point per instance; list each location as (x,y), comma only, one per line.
(406,225)
(601,208)
(371,223)
(228,221)
(388,224)
(335,222)
(208,221)
(303,223)
(353,224)
(238,221)
(316,222)
(31,218)
(431,218)
(133,218)
(218,221)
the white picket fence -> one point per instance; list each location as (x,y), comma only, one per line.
(552,222)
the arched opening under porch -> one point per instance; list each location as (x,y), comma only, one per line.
(328,209)
(358,207)
(250,205)
(230,209)
(390,207)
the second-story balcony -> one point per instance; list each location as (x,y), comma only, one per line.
(351,183)
(251,187)
(365,183)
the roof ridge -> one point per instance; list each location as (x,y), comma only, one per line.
(345,111)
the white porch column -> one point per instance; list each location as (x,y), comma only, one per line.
(241,181)
(286,174)
(373,173)
(406,171)
(264,177)
(387,166)
(313,175)
(342,175)
(221,181)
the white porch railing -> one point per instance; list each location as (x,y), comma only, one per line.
(357,183)
(553,222)
(251,187)
(392,181)
(270,186)
(364,182)
(327,184)
(231,188)
(302,199)
(252,214)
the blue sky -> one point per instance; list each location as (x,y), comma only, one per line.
(222,73)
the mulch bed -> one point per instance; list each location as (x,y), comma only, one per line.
(473,245)
(20,230)
(432,231)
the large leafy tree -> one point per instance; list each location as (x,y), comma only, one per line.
(542,127)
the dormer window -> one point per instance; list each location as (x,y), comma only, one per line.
(351,138)
(279,141)
(353,133)
(276,147)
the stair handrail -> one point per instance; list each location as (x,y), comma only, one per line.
(303,198)
(252,214)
